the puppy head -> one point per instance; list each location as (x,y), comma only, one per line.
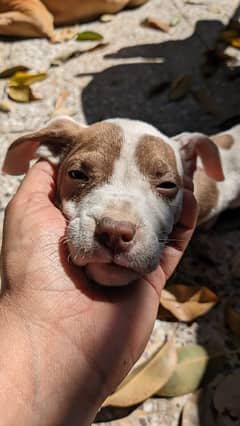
(119,185)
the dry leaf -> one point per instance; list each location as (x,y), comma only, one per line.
(156,24)
(88,36)
(146,379)
(180,87)
(5,105)
(195,2)
(26,79)
(66,56)
(185,302)
(21,94)
(193,362)
(64,34)
(207,102)
(9,72)
(232,316)
(107,17)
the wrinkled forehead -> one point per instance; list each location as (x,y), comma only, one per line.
(104,144)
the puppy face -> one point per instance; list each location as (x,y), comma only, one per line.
(120,187)
(121,191)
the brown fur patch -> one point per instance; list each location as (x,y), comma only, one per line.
(156,159)
(224,141)
(94,153)
(206,193)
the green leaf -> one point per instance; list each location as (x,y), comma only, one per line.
(193,363)
(88,36)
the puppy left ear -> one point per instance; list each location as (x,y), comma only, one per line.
(194,145)
(50,142)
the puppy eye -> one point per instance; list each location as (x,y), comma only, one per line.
(79,175)
(167,188)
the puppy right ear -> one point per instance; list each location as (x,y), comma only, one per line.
(50,142)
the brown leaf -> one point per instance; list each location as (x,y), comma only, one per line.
(208,103)
(185,303)
(146,379)
(156,24)
(180,87)
(9,72)
(232,316)
(66,56)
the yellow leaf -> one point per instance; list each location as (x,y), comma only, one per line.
(185,303)
(26,79)
(21,94)
(236,42)
(146,379)
(180,87)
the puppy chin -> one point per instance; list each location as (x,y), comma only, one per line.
(110,275)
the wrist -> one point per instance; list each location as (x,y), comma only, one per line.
(38,384)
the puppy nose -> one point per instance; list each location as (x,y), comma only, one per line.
(115,235)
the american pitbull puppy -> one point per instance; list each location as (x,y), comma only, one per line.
(120,185)
(36,18)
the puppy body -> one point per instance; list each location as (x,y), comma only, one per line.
(120,184)
(34,18)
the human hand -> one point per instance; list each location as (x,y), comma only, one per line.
(75,342)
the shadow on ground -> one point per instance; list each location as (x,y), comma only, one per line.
(129,90)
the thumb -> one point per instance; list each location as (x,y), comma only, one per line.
(41,179)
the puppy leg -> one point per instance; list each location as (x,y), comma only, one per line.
(28,19)
(134,3)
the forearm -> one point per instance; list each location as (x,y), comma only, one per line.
(36,386)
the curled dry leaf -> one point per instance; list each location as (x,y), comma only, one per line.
(9,72)
(185,302)
(146,379)
(156,24)
(88,36)
(21,94)
(5,105)
(180,87)
(232,316)
(194,362)
(19,84)
(66,56)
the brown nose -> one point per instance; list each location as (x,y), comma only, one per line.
(115,235)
